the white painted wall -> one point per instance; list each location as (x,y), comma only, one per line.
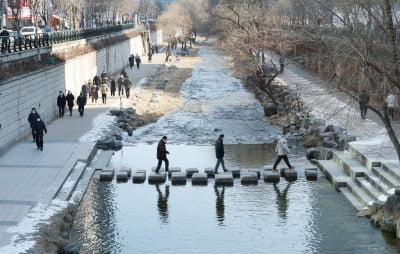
(40,89)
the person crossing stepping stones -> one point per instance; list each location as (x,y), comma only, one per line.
(283,150)
(162,154)
(219,153)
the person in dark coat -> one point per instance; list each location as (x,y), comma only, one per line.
(162,154)
(138,61)
(123,73)
(94,91)
(149,56)
(219,153)
(113,88)
(31,119)
(127,85)
(39,127)
(363,101)
(85,89)
(120,85)
(70,102)
(61,102)
(131,61)
(104,76)
(97,80)
(81,101)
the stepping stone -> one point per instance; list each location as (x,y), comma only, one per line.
(258,171)
(271,177)
(172,170)
(249,178)
(108,170)
(210,172)
(139,176)
(191,171)
(290,175)
(225,178)
(157,178)
(311,174)
(178,178)
(199,179)
(106,176)
(126,169)
(235,172)
(122,176)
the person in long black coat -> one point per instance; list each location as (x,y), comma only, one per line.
(94,91)
(127,85)
(162,154)
(131,61)
(138,61)
(39,127)
(113,87)
(219,153)
(31,119)
(70,102)
(61,102)
(81,101)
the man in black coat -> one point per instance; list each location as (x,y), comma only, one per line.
(39,127)
(97,80)
(219,153)
(70,102)
(138,61)
(162,154)
(131,61)
(81,101)
(31,119)
(61,101)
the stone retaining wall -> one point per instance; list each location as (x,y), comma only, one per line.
(40,88)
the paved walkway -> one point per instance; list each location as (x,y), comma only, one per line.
(31,178)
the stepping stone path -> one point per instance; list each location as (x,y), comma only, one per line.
(271,176)
(191,171)
(139,176)
(157,177)
(225,178)
(210,172)
(249,178)
(289,174)
(178,178)
(172,170)
(122,176)
(200,179)
(107,174)
(311,174)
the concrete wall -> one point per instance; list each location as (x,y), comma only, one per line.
(40,89)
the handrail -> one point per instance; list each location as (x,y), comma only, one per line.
(10,44)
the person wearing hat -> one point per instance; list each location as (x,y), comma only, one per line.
(39,127)
(4,35)
(31,119)
(219,153)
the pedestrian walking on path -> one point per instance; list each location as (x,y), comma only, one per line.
(123,73)
(104,76)
(363,101)
(97,80)
(31,119)
(283,150)
(70,102)
(39,127)
(112,86)
(162,154)
(127,85)
(120,85)
(61,101)
(94,91)
(219,153)
(138,61)
(104,90)
(131,61)
(81,101)
(85,89)
(392,103)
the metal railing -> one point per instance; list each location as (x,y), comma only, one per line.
(10,44)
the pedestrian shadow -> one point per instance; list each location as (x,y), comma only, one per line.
(220,204)
(282,200)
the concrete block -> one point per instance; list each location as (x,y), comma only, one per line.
(172,170)
(199,179)
(127,170)
(271,176)
(225,178)
(258,172)
(311,174)
(191,171)
(210,172)
(235,172)
(157,178)
(122,176)
(249,178)
(290,175)
(106,176)
(110,170)
(178,178)
(139,176)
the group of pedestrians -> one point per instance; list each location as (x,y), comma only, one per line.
(38,128)
(63,101)
(281,149)
(391,103)
(132,59)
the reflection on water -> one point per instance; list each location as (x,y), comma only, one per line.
(162,203)
(281,199)
(219,204)
(298,217)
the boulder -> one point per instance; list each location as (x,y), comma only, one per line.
(330,144)
(343,140)
(331,135)
(338,129)
(270,110)
(72,248)
(392,206)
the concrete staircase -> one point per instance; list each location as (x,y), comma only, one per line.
(364,173)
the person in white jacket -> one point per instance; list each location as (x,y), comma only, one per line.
(392,103)
(283,150)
